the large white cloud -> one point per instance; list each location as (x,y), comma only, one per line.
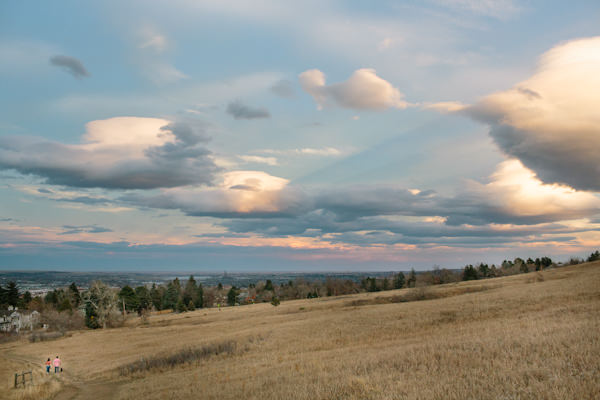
(515,190)
(122,152)
(364,90)
(238,194)
(551,121)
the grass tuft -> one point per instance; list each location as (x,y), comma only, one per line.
(186,355)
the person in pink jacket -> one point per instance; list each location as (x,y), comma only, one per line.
(56,364)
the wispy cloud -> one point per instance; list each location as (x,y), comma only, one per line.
(309,151)
(77,229)
(238,110)
(283,88)
(259,159)
(71,65)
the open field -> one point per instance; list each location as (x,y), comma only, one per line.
(529,336)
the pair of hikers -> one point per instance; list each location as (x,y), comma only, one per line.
(56,362)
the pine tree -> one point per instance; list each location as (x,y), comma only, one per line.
(74,294)
(65,305)
(144,299)
(594,256)
(199,300)
(399,281)
(385,284)
(470,273)
(156,297)
(412,278)
(171,295)
(127,295)
(12,294)
(269,285)
(180,306)
(372,285)
(189,292)
(232,296)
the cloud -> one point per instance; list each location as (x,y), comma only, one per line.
(71,65)
(150,39)
(162,73)
(238,194)
(152,60)
(364,90)
(76,229)
(551,121)
(500,9)
(516,191)
(117,153)
(283,88)
(310,151)
(239,110)
(513,195)
(259,159)
(446,107)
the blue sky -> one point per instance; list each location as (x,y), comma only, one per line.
(273,135)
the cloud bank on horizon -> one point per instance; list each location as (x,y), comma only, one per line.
(175,166)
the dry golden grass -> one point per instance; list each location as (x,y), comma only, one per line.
(532,336)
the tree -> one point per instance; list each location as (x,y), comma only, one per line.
(372,285)
(191,306)
(189,292)
(12,294)
(65,305)
(3,296)
(27,298)
(546,262)
(399,280)
(127,295)
(385,284)
(275,301)
(75,297)
(484,270)
(101,304)
(51,298)
(594,256)
(171,295)
(412,278)
(524,268)
(199,302)
(156,297)
(180,306)
(232,296)
(470,273)
(269,285)
(144,299)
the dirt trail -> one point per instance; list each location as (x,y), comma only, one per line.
(74,388)
(89,390)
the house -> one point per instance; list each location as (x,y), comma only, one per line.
(13,320)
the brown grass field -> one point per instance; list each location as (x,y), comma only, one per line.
(530,336)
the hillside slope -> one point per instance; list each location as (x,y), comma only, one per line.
(525,336)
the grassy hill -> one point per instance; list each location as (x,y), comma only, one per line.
(528,336)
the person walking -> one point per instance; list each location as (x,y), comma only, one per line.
(48,365)
(56,364)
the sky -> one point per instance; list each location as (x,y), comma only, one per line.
(321,135)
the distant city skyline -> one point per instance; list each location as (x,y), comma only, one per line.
(281,136)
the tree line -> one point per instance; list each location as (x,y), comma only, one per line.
(101,306)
